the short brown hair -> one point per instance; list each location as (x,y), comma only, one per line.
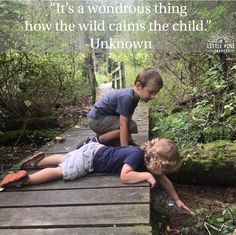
(161,153)
(148,74)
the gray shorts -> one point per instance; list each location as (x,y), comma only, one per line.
(110,123)
(79,162)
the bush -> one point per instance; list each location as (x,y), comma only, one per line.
(212,223)
(32,85)
(38,137)
(173,126)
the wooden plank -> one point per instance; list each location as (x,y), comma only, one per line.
(140,115)
(71,142)
(78,133)
(87,182)
(128,230)
(75,197)
(143,128)
(62,149)
(80,129)
(140,139)
(33,217)
(141,136)
(68,145)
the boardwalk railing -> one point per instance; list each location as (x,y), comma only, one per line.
(117,76)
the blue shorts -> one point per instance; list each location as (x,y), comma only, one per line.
(79,162)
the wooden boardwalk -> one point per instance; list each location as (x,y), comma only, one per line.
(96,204)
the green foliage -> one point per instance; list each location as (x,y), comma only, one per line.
(173,126)
(134,62)
(11,27)
(36,123)
(210,223)
(31,85)
(209,99)
(38,137)
(140,59)
(210,121)
(101,78)
(37,77)
(130,74)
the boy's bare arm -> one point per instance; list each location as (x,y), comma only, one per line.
(169,187)
(124,136)
(129,176)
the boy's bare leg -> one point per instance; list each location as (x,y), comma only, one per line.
(106,137)
(44,176)
(52,160)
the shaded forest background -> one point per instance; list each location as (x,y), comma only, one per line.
(46,77)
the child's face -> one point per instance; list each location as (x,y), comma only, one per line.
(148,92)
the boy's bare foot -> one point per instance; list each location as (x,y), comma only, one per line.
(15,179)
(32,161)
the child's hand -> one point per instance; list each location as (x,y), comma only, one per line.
(182,206)
(151,180)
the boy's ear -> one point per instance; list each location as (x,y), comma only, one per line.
(138,84)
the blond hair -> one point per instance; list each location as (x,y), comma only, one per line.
(161,153)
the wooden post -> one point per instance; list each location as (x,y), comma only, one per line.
(122,71)
(118,82)
(118,78)
(113,80)
(92,81)
(91,74)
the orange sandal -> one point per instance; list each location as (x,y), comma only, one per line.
(15,179)
(32,161)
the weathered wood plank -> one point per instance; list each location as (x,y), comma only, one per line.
(75,197)
(128,230)
(70,143)
(72,138)
(143,128)
(91,181)
(140,139)
(74,133)
(64,147)
(42,217)
(98,204)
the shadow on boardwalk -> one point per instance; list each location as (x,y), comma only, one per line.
(95,204)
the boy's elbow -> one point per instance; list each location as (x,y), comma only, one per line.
(123,179)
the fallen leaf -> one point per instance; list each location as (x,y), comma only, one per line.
(59,139)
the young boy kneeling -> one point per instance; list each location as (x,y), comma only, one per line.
(111,116)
